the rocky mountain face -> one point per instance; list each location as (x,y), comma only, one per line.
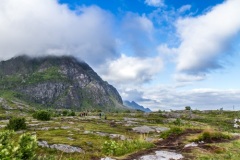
(134,105)
(58,82)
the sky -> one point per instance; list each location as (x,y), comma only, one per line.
(162,54)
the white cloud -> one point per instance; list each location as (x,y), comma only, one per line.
(39,27)
(131,70)
(154,3)
(184,8)
(182,77)
(206,39)
(164,49)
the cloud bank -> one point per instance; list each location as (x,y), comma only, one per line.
(168,97)
(42,27)
(206,39)
(131,70)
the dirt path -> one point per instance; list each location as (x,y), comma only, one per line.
(173,142)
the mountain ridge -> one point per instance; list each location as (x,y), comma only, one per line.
(134,105)
(58,82)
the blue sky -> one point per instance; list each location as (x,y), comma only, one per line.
(163,54)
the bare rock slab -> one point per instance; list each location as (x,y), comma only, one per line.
(143,129)
(62,147)
(162,155)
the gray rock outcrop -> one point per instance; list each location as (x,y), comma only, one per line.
(62,147)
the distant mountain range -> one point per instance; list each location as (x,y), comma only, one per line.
(134,105)
(57,82)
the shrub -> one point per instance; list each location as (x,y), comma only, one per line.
(65,113)
(210,136)
(177,122)
(24,149)
(187,108)
(68,113)
(173,131)
(42,115)
(72,113)
(16,124)
(27,145)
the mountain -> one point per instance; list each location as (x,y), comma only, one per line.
(134,105)
(58,82)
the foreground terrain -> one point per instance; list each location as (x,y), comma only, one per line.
(136,135)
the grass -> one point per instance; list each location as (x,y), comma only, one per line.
(225,151)
(212,136)
(173,131)
(119,148)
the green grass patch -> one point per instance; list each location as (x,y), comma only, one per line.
(51,73)
(172,132)
(120,148)
(212,136)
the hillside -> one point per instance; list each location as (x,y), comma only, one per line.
(57,82)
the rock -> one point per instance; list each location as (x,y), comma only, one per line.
(132,119)
(117,136)
(161,129)
(2,126)
(87,132)
(43,144)
(4,121)
(130,123)
(107,158)
(65,127)
(236,134)
(66,148)
(191,145)
(236,123)
(45,128)
(102,134)
(71,139)
(77,129)
(62,147)
(162,155)
(143,129)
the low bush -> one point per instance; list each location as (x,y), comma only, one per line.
(211,136)
(68,113)
(24,149)
(172,132)
(65,113)
(72,113)
(16,124)
(42,115)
